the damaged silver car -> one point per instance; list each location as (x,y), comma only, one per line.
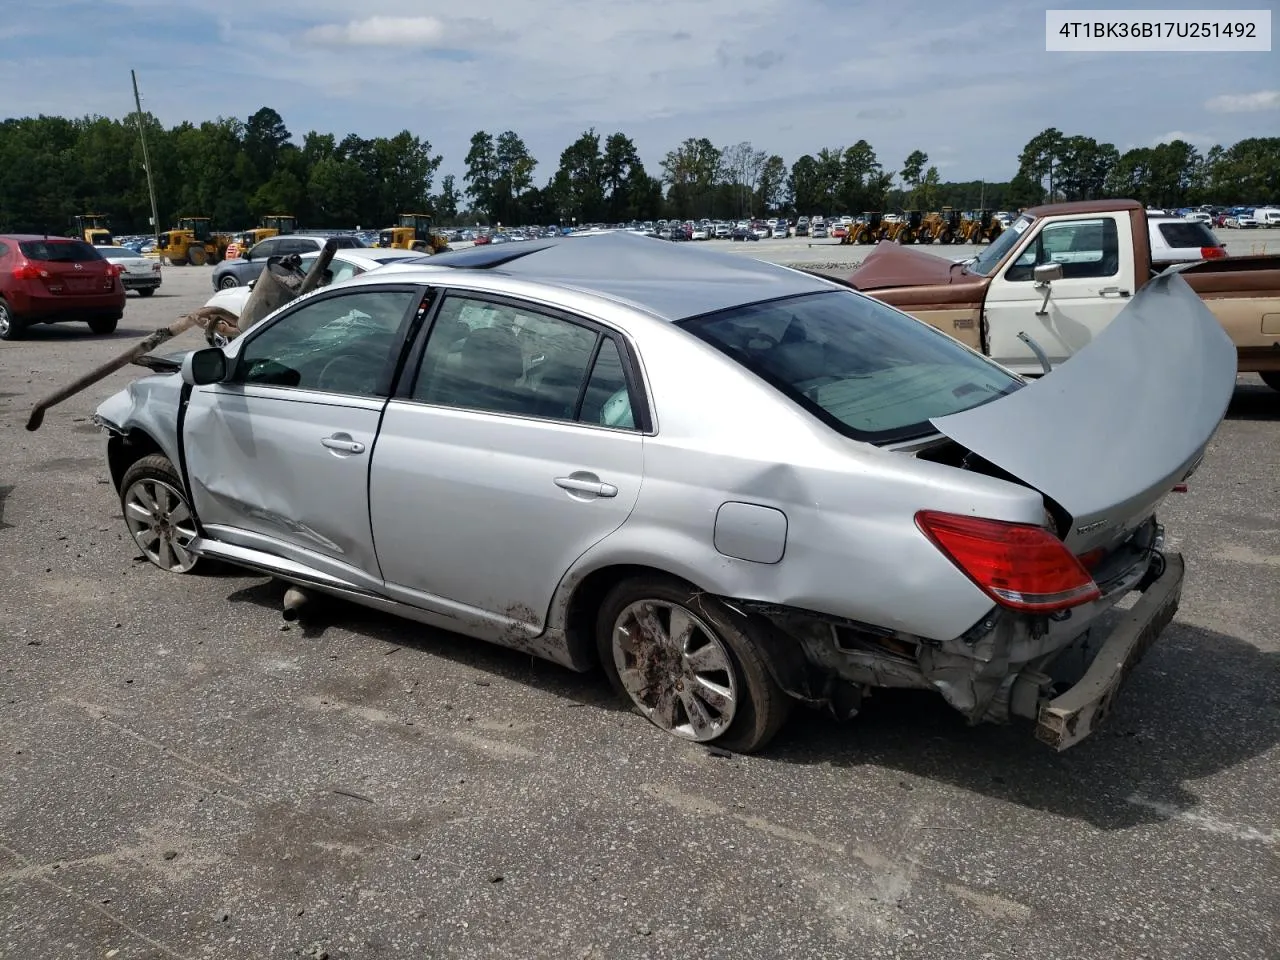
(733,485)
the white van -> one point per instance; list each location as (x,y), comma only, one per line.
(1267,216)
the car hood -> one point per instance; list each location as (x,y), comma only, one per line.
(893,265)
(1110,432)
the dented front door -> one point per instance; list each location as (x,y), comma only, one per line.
(278,456)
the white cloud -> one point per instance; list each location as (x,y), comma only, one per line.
(379,32)
(1244,102)
(1195,139)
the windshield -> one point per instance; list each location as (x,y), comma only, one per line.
(988,259)
(860,366)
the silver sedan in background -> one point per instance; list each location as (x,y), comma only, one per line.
(733,485)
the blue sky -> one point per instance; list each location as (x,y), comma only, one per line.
(967,82)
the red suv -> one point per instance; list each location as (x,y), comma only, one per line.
(55,279)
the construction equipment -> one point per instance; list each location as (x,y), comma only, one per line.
(272,226)
(980,227)
(220,327)
(940,227)
(413,233)
(905,230)
(930,227)
(193,241)
(93,228)
(866,229)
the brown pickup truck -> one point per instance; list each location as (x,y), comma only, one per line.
(1052,281)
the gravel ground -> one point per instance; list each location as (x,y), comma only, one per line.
(185,777)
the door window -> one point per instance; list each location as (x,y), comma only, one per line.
(338,344)
(1085,248)
(264,249)
(502,358)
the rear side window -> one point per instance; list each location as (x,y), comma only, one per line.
(1187,234)
(59,251)
(860,366)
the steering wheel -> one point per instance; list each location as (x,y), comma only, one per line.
(331,377)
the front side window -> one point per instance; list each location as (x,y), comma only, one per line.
(504,358)
(1084,248)
(265,249)
(858,365)
(337,344)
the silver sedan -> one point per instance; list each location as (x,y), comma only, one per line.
(735,486)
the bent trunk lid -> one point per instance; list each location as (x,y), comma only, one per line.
(1108,434)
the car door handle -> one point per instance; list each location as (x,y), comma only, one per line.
(343,443)
(583,485)
(1112,292)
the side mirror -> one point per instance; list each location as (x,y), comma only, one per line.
(201,367)
(1045,273)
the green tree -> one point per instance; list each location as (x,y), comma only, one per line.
(482,172)
(913,175)
(690,172)
(446,204)
(578,184)
(513,177)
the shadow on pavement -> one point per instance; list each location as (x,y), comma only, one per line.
(1200,703)
(1254,402)
(323,613)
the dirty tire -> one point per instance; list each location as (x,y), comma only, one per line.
(10,328)
(104,325)
(761,706)
(197,256)
(146,291)
(1271,378)
(141,482)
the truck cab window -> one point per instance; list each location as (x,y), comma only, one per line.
(1085,248)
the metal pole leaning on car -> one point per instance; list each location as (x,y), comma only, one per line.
(204,317)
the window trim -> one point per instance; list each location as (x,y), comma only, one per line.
(1036,244)
(631,371)
(391,363)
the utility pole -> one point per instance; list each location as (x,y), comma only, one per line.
(146,162)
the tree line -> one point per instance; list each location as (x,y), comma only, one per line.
(236,171)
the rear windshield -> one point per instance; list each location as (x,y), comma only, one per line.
(858,365)
(118,253)
(59,251)
(1179,233)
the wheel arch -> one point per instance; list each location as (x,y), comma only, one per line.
(126,449)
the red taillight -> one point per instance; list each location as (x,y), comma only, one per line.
(114,269)
(1019,566)
(28,271)
(1213,253)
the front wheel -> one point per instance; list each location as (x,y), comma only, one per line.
(689,664)
(1271,378)
(198,256)
(228,281)
(158,515)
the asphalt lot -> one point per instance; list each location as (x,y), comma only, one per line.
(185,777)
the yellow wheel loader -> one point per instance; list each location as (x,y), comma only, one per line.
(93,228)
(194,242)
(413,232)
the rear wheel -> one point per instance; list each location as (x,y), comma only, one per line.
(104,325)
(1271,378)
(146,291)
(10,328)
(197,256)
(688,664)
(158,514)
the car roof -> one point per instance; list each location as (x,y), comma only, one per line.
(667,280)
(24,237)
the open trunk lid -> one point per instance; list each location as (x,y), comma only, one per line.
(1110,432)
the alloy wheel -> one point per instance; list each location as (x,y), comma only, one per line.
(675,669)
(161,523)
